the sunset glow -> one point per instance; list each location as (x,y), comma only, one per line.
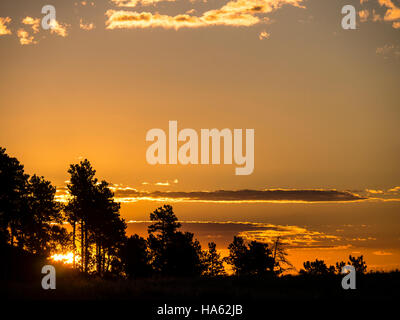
(67,258)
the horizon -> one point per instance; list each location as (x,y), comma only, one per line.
(323,103)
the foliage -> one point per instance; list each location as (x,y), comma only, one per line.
(252,259)
(318,267)
(30,217)
(136,257)
(93,211)
(173,253)
(213,264)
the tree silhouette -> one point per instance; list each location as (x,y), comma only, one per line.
(358,263)
(213,264)
(29,214)
(81,189)
(93,211)
(339,266)
(252,259)
(13,191)
(173,253)
(317,267)
(136,257)
(281,262)
(42,231)
(165,223)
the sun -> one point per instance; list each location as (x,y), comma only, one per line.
(67,258)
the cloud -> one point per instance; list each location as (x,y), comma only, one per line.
(263,35)
(25,38)
(162,184)
(233,13)
(85,3)
(238,196)
(291,236)
(388,51)
(59,28)
(364,14)
(126,194)
(392,12)
(134,3)
(34,23)
(3,26)
(374,191)
(86,26)
(382,253)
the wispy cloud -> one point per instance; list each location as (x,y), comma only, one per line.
(25,38)
(134,3)
(233,13)
(4,22)
(364,14)
(382,253)
(373,191)
(239,196)
(263,35)
(59,28)
(34,23)
(86,26)
(389,51)
(291,236)
(392,12)
(128,194)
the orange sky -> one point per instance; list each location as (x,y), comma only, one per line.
(323,102)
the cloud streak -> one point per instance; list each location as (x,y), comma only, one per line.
(234,13)
(291,236)
(134,3)
(239,196)
(4,22)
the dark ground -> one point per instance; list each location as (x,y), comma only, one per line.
(20,289)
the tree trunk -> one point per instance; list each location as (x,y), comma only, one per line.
(73,243)
(82,247)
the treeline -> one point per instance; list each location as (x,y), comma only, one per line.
(319,267)
(33,220)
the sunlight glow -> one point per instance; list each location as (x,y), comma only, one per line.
(67,258)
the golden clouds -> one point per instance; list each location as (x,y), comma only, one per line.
(382,253)
(25,38)
(130,20)
(34,23)
(58,29)
(234,13)
(86,26)
(3,26)
(392,13)
(134,3)
(263,35)
(364,14)
(291,236)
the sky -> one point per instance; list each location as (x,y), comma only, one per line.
(323,102)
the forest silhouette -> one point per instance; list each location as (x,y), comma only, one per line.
(32,229)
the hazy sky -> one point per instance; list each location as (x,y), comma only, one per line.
(324,103)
